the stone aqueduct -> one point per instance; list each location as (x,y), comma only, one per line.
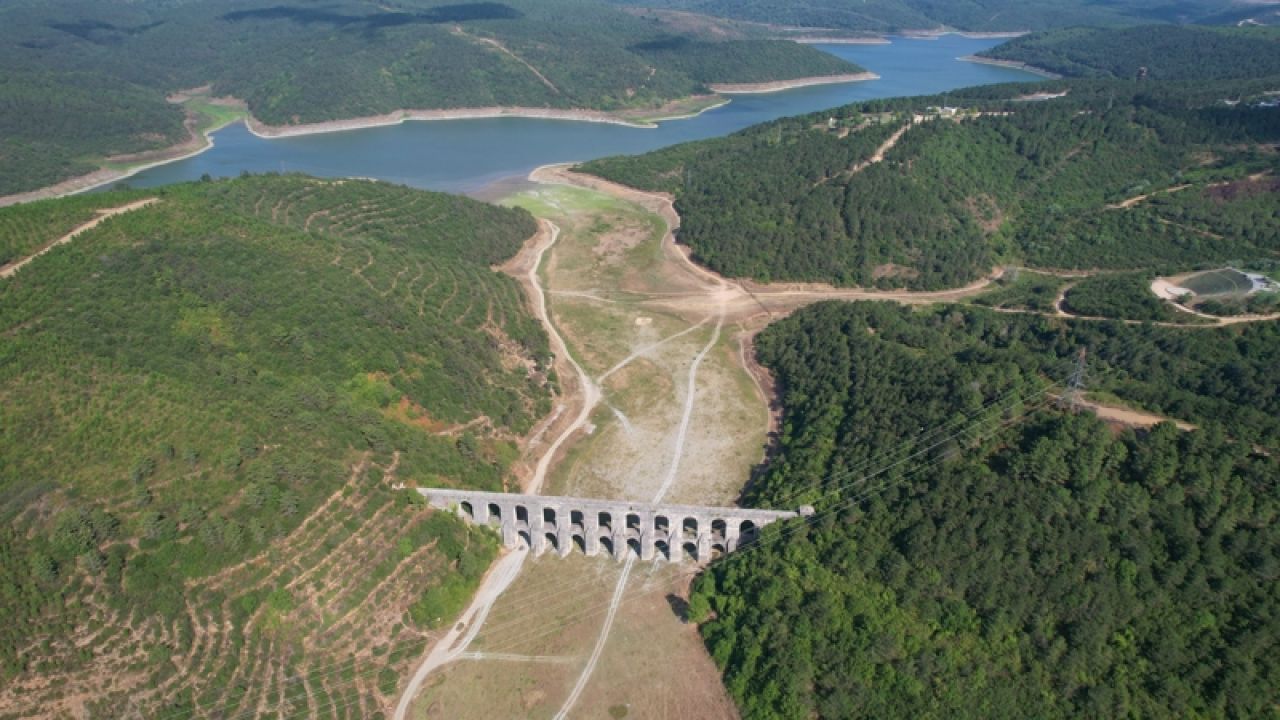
(651,531)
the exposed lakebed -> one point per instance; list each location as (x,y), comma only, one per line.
(471,155)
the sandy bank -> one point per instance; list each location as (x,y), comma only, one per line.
(778,85)
(935,34)
(201,142)
(400,116)
(878,40)
(192,146)
(1012,64)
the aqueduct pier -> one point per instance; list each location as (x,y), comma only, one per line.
(652,531)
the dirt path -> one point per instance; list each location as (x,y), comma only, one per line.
(8,270)
(673,469)
(877,156)
(1130,417)
(1125,204)
(588,392)
(506,51)
(447,649)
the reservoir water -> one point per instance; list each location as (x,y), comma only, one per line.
(470,155)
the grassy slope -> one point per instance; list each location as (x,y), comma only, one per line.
(182,386)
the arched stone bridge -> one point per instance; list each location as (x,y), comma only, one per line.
(547,522)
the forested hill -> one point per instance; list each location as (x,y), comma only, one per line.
(85,79)
(204,404)
(977,15)
(933,192)
(1157,53)
(978,552)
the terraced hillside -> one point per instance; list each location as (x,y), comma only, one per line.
(205,404)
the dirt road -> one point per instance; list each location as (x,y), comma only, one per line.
(10,269)
(448,648)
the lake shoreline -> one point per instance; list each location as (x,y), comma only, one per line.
(184,150)
(199,142)
(780,85)
(887,38)
(1012,65)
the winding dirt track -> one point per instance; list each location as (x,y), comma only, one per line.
(8,270)
(711,295)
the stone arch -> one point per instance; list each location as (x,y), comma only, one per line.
(689,551)
(662,550)
(552,541)
(549,515)
(689,528)
(717,550)
(580,542)
(522,514)
(746,527)
(606,544)
(633,521)
(577,519)
(719,528)
(605,520)
(525,538)
(467,510)
(662,523)
(633,546)
(495,514)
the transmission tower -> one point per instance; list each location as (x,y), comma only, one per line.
(1075,384)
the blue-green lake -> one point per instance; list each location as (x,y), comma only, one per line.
(472,155)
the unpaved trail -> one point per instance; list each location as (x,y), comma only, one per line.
(507,51)
(1217,322)
(1130,417)
(1126,204)
(673,469)
(601,640)
(447,649)
(877,157)
(10,269)
(590,393)
(514,657)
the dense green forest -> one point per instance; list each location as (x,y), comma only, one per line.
(24,229)
(1155,53)
(1123,296)
(979,551)
(984,15)
(87,79)
(1110,175)
(204,405)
